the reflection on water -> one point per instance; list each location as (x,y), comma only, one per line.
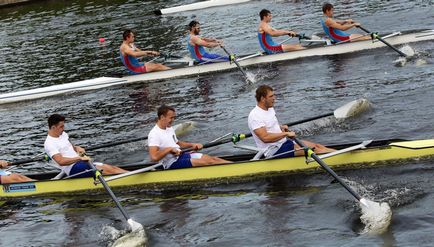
(53,42)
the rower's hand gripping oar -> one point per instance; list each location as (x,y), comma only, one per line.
(133,224)
(232,58)
(376,36)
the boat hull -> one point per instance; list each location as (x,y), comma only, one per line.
(103,82)
(376,154)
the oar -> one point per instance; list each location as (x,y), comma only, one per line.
(42,157)
(234,59)
(133,224)
(179,130)
(310,154)
(299,36)
(376,36)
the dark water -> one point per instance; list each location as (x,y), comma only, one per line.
(54,42)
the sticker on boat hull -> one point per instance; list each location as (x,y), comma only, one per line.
(22,187)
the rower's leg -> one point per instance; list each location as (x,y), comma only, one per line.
(207,160)
(15,178)
(358,37)
(150,67)
(318,148)
(292,47)
(108,169)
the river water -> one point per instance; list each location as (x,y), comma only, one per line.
(53,42)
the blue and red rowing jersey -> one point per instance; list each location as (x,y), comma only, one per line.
(268,45)
(199,54)
(133,64)
(334,34)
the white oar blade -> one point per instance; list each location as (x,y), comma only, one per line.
(352,108)
(184,128)
(135,226)
(375,216)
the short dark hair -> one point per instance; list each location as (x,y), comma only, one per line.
(127,34)
(264,13)
(326,7)
(193,24)
(262,91)
(55,119)
(163,110)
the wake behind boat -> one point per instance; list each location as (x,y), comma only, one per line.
(313,50)
(382,152)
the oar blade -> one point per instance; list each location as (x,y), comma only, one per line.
(352,108)
(135,226)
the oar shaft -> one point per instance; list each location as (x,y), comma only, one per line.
(236,63)
(111,144)
(385,42)
(24,161)
(327,168)
(109,191)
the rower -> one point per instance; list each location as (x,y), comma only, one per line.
(196,44)
(270,137)
(335,28)
(69,158)
(266,32)
(130,54)
(8,177)
(164,146)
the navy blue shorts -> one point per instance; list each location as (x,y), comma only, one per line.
(80,167)
(286,146)
(183,161)
(213,58)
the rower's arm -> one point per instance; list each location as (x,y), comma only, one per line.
(274,32)
(66,161)
(272,137)
(203,42)
(156,154)
(195,146)
(341,25)
(138,52)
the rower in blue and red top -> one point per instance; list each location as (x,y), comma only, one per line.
(266,32)
(196,44)
(334,29)
(130,55)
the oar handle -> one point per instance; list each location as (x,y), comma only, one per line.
(311,154)
(364,29)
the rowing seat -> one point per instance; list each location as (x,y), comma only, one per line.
(259,152)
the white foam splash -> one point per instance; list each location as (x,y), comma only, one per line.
(408,50)
(400,62)
(420,62)
(135,238)
(251,77)
(375,216)
(123,238)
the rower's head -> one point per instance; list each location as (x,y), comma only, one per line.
(56,125)
(128,35)
(265,15)
(194,27)
(265,96)
(327,9)
(166,116)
